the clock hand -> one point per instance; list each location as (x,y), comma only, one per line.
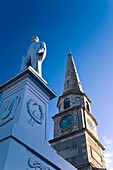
(64,121)
(69,119)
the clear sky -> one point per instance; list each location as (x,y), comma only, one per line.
(86,26)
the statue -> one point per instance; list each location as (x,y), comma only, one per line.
(35,55)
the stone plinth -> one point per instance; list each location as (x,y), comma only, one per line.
(24,125)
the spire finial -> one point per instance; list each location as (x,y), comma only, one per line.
(69,51)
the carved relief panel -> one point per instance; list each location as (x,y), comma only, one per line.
(36,112)
(36,164)
(8,109)
(33,116)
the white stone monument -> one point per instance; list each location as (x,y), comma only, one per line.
(24,124)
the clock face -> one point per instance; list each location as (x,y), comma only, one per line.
(66,122)
(90,124)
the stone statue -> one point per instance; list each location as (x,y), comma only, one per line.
(35,55)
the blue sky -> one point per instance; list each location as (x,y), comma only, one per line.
(86,26)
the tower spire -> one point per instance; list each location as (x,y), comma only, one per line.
(75,126)
(72,81)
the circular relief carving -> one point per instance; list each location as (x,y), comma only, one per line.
(35,110)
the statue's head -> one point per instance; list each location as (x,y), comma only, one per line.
(35,39)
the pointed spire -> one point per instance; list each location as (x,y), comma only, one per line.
(72,81)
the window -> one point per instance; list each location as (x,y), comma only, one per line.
(87,106)
(66,103)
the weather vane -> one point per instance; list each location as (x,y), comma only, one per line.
(69,50)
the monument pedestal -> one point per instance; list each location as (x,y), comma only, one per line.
(23,124)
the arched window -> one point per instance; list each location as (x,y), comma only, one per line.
(87,106)
(66,103)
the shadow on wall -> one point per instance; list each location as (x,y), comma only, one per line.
(0,96)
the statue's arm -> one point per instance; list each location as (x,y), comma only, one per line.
(42,46)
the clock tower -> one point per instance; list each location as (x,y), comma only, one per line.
(75,131)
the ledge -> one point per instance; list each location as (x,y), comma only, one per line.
(31,73)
